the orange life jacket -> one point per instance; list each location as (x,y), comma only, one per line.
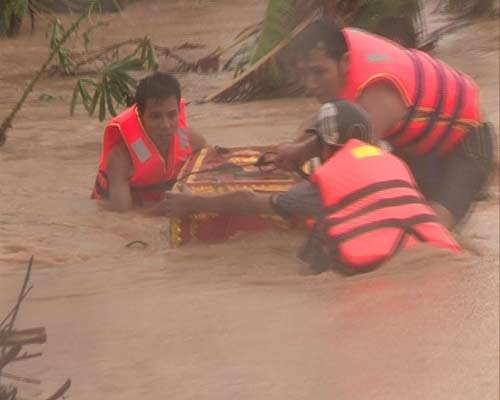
(443,104)
(152,170)
(372,208)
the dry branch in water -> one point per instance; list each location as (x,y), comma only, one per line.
(12,342)
(110,54)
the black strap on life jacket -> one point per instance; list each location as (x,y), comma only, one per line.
(419,92)
(383,203)
(403,223)
(350,269)
(407,229)
(438,107)
(406,225)
(366,191)
(460,82)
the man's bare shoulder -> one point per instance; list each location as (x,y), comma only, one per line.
(119,161)
(381,91)
(384,103)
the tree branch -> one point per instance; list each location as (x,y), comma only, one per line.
(7,122)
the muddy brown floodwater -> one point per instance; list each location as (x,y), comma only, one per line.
(235,320)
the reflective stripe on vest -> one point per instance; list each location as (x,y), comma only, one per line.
(442,102)
(183,139)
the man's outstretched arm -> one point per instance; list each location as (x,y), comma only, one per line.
(292,155)
(302,199)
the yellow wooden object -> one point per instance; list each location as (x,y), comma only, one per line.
(213,182)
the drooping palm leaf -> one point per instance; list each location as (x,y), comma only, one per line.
(471,8)
(280,19)
(370,11)
(269,77)
(12,13)
(282,16)
(115,84)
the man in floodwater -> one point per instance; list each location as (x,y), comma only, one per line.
(145,147)
(363,201)
(425,110)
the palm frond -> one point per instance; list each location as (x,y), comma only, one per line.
(115,85)
(262,79)
(279,21)
(470,8)
(270,75)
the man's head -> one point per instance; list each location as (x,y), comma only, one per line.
(339,121)
(321,52)
(158,97)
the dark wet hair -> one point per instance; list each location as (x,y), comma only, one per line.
(159,86)
(323,33)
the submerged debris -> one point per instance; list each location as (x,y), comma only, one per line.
(12,342)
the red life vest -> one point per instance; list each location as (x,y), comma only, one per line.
(372,208)
(443,104)
(152,170)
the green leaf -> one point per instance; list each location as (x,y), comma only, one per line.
(152,60)
(132,64)
(77,90)
(87,35)
(95,99)
(12,10)
(143,47)
(86,99)
(281,17)
(65,61)
(46,97)
(125,78)
(109,101)
(120,91)
(102,107)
